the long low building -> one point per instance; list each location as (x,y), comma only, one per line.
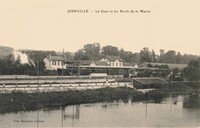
(169,65)
(111,65)
(31,84)
(29,80)
(148,82)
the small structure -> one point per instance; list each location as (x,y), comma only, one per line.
(54,62)
(148,82)
(148,69)
(98,75)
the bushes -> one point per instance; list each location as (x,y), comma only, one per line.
(17,101)
(137,96)
(180,88)
(155,94)
(21,101)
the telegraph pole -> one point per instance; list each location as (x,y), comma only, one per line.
(38,75)
(62,62)
(37,94)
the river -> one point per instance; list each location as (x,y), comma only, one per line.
(168,113)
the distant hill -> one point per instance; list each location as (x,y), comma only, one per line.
(5,51)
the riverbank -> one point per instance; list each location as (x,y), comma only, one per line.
(180,88)
(21,101)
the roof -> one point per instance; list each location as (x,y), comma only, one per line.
(86,62)
(55,58)
(128,64)
(150,80)
(101,63)
(170,65)
(98,63)
(113,58)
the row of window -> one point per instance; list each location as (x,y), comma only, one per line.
(116,64)
(56,62)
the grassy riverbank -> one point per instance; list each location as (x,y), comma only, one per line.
(180,88)
(21,101)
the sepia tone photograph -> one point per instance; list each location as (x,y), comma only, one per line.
(99,63)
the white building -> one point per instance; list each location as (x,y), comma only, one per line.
(110,65)
(54,62)
(113,61)
(106,62)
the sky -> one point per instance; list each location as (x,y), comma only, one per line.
(47,25)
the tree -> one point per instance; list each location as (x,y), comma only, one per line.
(93,50)
(89,52)
(10,66)
(162,52)
(192,71)
(68,56)
(154,56)
(110,50)
(145,55)
(187,57)
(136,58)
(168,57)
(179,58)
(81,55)
(126,55)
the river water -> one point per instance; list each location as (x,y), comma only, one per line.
(168,113)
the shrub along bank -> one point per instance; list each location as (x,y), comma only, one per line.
(172,89)
(180,88)
(21,101)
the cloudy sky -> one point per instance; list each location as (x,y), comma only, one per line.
(47,25)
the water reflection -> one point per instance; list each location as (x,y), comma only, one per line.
(169,112)
(109,104)
(75,114)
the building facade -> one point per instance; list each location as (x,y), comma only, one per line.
(110,65)
(54,62)
(113,61)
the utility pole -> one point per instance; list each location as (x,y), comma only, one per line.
(37,94)
(79,69)
(62,62)
(38,75)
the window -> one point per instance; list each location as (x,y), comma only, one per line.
(58,62)
(116,64)
(53,62)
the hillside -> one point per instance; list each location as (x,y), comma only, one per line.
(5,51)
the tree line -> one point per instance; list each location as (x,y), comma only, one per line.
(95,52)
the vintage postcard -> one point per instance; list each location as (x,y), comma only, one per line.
(99,63)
